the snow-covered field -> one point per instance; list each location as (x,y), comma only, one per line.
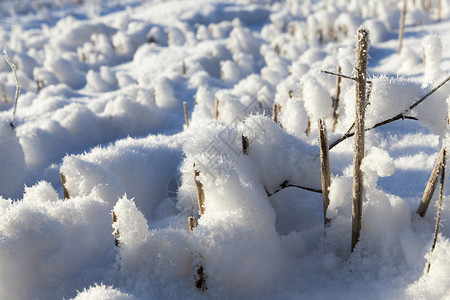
(102,92)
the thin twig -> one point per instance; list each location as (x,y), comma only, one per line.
(429,93)
(341,75)
(338,74)
(350,129)
(287,185)
(336,100)
(431,186)
(16,98)
(395,118)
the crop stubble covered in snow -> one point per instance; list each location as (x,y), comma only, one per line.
(102,93)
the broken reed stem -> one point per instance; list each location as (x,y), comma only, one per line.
(183,68)
(191,223)
(16,97)
(438,213)
(200,192)
(402,27)
(245,144)
(325,166)
(63,183)
(431,185)
(116,231)
(186,115)
(336,100)
(217,109)
(394,118)
(362,48)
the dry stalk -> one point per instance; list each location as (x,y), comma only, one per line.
(286,184)
(438,213)
(16,98)
(431,185)
(200,277)
(192,224)
(63,183)
(217,109)
(200,192)
(186,115)
(116,231)
(338,75)
(362,48)
(183,68)
(308,127)
(325,166)
(245,144)
(116,239)
(275,112)
(336,99)
(402,27)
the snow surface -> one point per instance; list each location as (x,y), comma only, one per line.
(103,86)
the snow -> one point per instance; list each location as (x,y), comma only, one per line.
(102,91)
